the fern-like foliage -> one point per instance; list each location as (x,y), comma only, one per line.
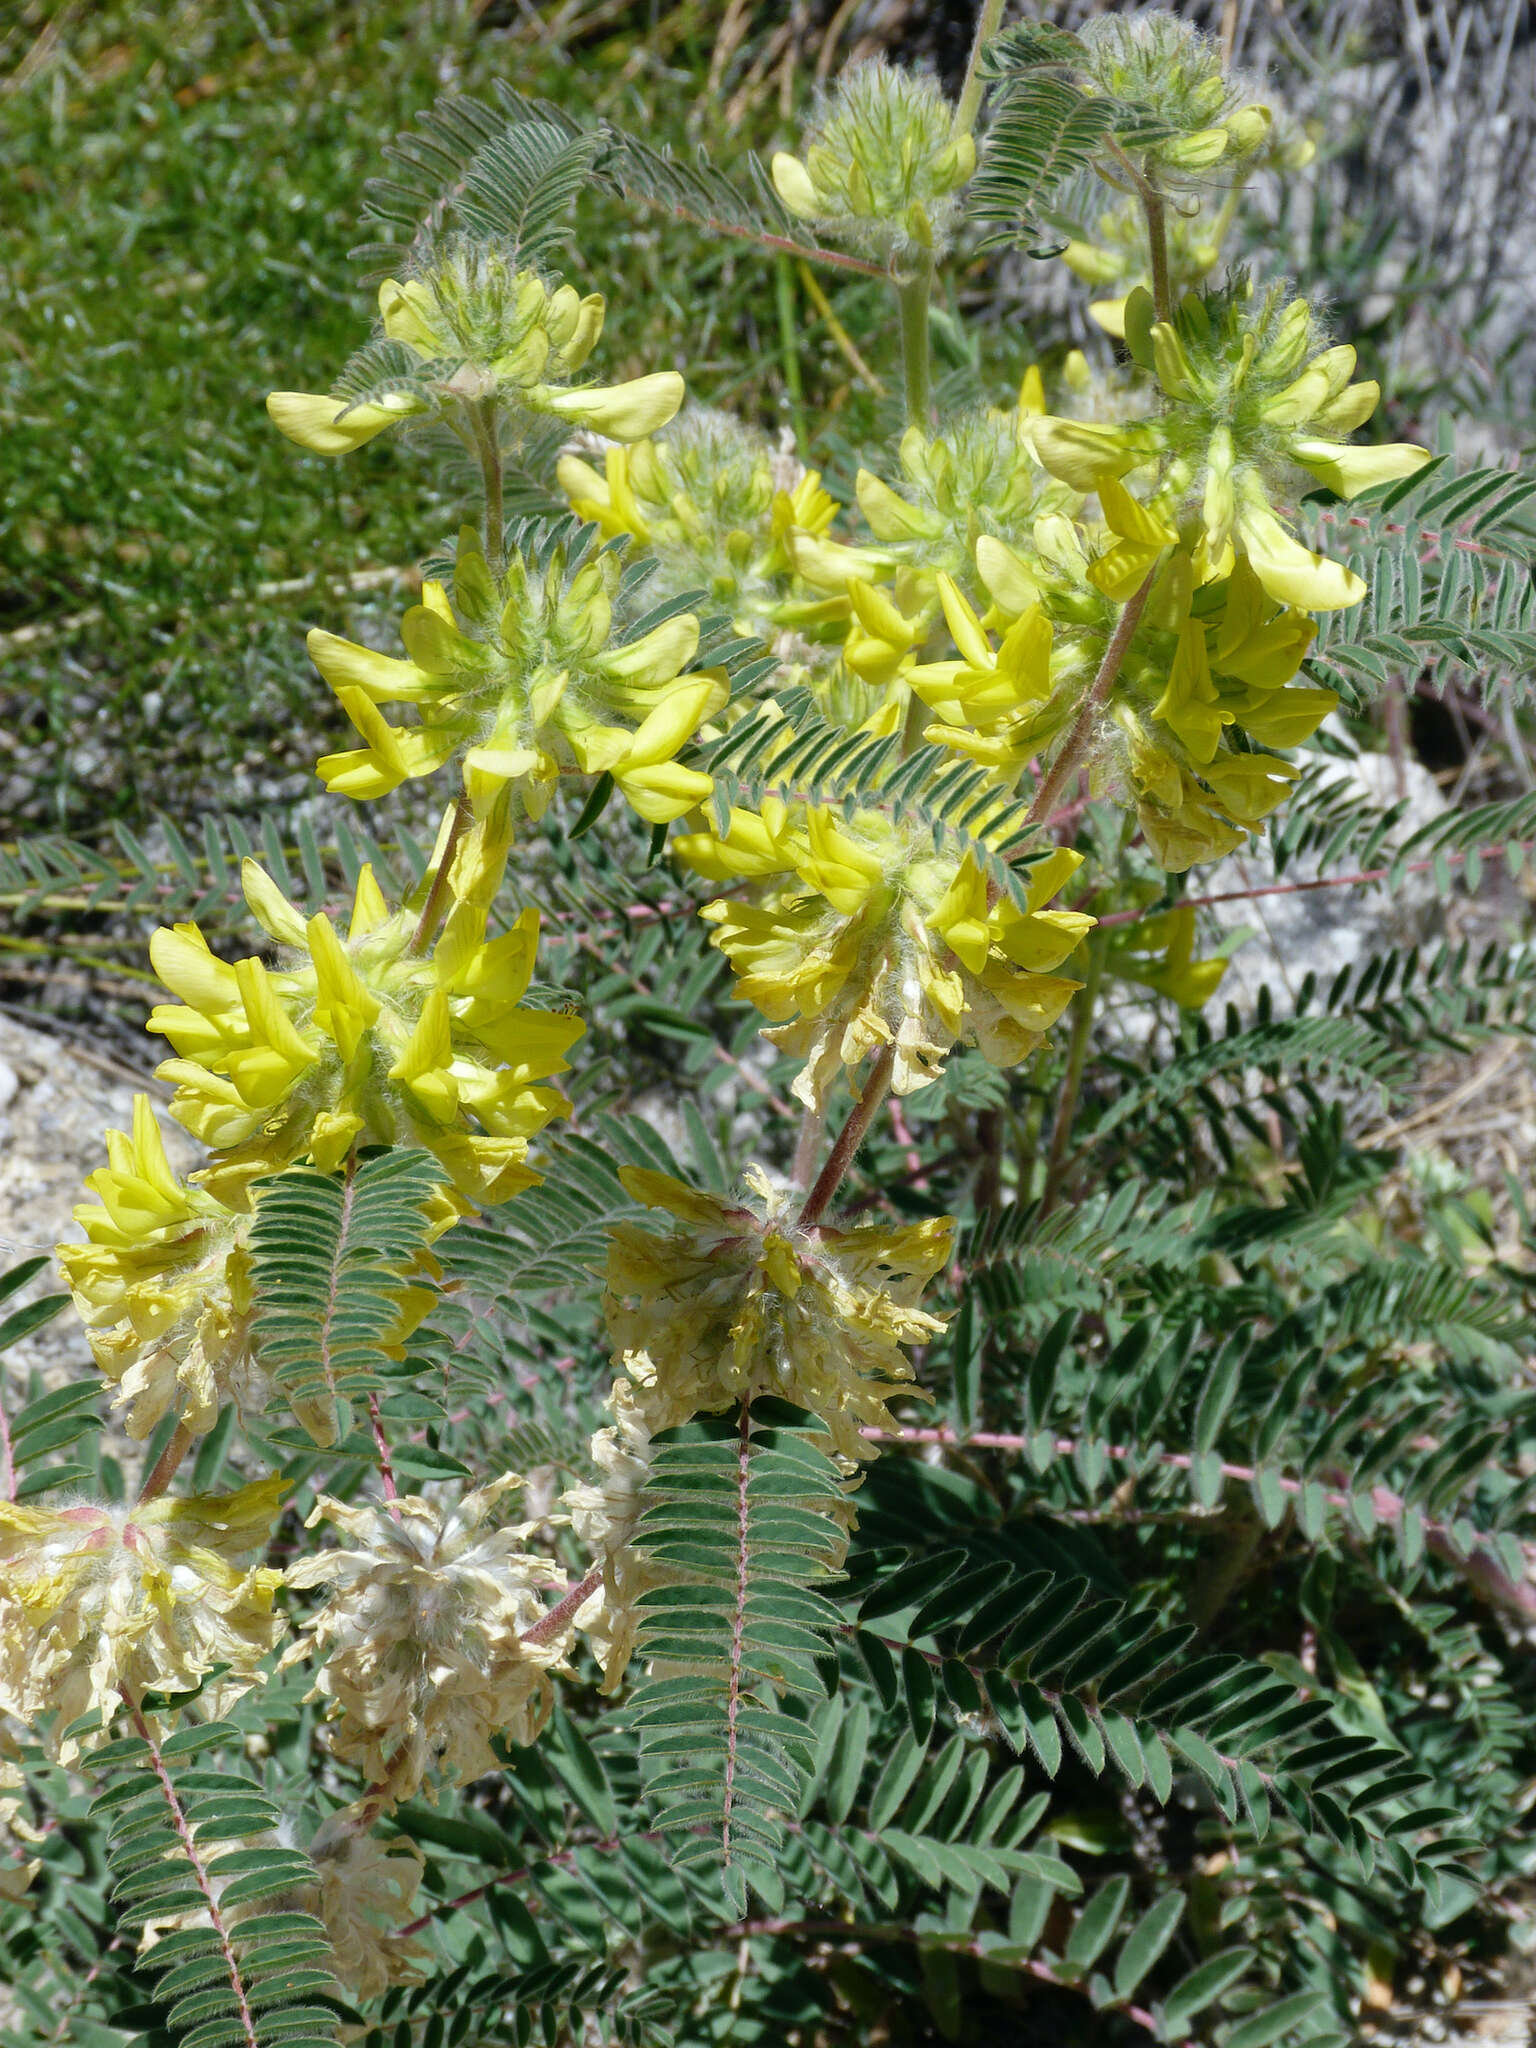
(238,1961)
(514,170)
(330,1254)
(739,1524)
(1448,556)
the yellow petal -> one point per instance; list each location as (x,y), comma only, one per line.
(1290,572)
(1350,470)
(269,906)
(334,426)
(626,411)
(792,181)
(345,665)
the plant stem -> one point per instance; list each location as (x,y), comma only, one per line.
(386,1463)
(1075,745)
(789,348)
(912,295)
(1152,205)
(849,1139)
(437,893)
(969,104)
(1077,1055)
(165,1465)
(488,445)
(807,1146)
(557,1617)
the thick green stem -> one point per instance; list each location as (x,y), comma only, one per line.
(912,294)
(488,447)
(969,104)
(1155,209)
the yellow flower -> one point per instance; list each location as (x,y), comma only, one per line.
(736,1301)
(873,939)
(97,1601)
(419,1642)
(1159,953)
(360,1040)
(1250,396)
(524,684)
(472,327)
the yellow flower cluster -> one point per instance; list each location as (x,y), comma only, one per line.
(363,1039)
(473,327)
(517,679)
(420,1640)
(100,1602)
(867,938)
(714,507)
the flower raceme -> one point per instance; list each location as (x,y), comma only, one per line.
(361,1040)
(519,679)
(473,327)
(163,1286)
(713,505)
(882,167)
(419,1642)
(865,937)
(99,1601)
(1249,398)
(736,1300)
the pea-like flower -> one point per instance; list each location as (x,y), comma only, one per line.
(882,166)
(98,1601)
(362,1040)
(1194,116)
(866,937)
(420,1641)
(474,326)
(522,681)
(162,1285)
(737,1301)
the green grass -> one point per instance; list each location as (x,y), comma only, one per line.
(183,185)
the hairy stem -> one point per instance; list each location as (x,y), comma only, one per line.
(1155,210)
(184,1835)
(1077,1056)
(437,891)
(567,1605)
(165,1466)
(912,294)
(488,446)
(386,1463)
(969,103)
(849,1139)
(1075,745)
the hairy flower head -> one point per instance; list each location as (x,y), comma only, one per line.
(96,1601)
(420,1639)
(713,504)
(737,1301)
(881,166)
(473,327)
(867,937)
(367,1895)
(521,680)
(1250,396)
(359,1039)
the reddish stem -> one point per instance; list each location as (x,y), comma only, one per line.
(849,1138)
